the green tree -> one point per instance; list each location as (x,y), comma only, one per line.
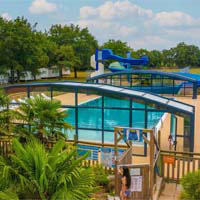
(81,40)
(45,116)
(155,58)
(117,46)
(168,59)
(20,48)
(186,55)
(35,173)
(7,116)
(65,58)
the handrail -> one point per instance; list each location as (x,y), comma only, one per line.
(179,152)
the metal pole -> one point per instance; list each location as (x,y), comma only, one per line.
(145,126)
(116,162)
(151,164)
(76,113)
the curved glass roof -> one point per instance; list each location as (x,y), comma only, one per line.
(181,76)
(148,97)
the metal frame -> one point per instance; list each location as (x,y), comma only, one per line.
(172,76)
(123,93)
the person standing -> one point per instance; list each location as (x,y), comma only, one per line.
(126,183)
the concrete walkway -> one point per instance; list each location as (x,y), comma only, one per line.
(171,191)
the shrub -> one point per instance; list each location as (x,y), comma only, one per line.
(191,186)
(101,177)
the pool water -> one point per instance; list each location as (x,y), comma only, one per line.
(91,118)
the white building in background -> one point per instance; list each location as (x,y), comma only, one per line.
(53,72)
(44,73)
(4,79)
(28,77)
(66,72)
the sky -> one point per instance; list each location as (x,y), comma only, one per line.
(149,24)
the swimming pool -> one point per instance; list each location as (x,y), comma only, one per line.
(90,124)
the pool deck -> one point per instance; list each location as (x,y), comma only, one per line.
(69,98)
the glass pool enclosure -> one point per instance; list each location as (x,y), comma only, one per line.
(94,109)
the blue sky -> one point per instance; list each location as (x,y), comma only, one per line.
(150,24)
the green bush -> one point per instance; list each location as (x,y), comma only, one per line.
(191,186)
(101,177)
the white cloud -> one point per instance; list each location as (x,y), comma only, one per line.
(6,16)
(112,10)
(42,6)
(151,42)
(87,11)
(175,18)
(94,24)
(126,31)
(190,33)
(140,27)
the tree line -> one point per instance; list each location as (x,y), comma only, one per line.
(25,49)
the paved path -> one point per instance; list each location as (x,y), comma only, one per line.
(171,192)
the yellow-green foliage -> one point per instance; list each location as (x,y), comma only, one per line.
(191,186)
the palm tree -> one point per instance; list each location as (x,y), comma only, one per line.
(45,116)
(34,173)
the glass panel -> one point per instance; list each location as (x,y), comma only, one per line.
(115,118)
(109,137)
(126,79)
(89,98)
(173,126)
(186,144)
(116,103)
(138,103)
(90,101)
(138,119)
(39,90)
(187,126)
(65,95)
(70,112)
(70,134)
(116,80)
(167,81)
(89,118)
(156,82)
(88,135)
(153,118)
(16,93)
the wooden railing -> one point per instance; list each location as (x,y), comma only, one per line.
(126,157)
(184,162)
(6,150)
(90,163)
(5,147)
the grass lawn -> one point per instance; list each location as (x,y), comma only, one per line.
(192,70)
(83,75)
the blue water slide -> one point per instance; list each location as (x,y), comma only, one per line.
(107,54)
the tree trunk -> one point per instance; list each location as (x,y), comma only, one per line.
(18,76)
(60,73)
(75,72)
(11,75)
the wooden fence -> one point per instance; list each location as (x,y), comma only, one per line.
(5,147)
(174,165)
(6,150)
